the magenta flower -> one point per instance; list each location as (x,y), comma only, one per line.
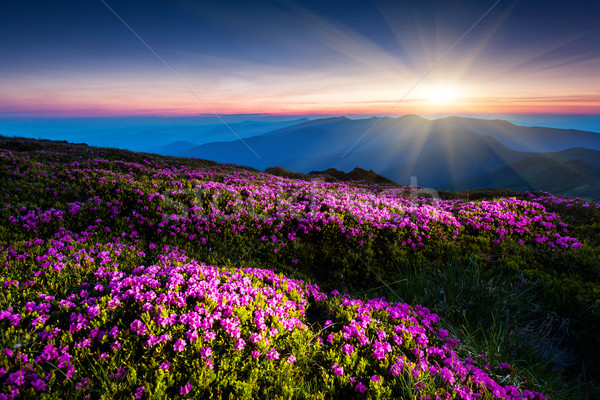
(360,388)
(139,392)
(348,349)
(165,366)
(138,327)
(179,345)
(240,344)
(185,389)
(205,352)
(209,336)
(396,369)
(272,354)
(337,370)
(39,385)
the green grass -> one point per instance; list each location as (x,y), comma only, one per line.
(532,307)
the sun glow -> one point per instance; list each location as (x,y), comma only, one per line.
(442,94)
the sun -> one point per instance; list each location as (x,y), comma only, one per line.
(442,94)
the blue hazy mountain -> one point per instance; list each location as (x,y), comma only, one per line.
(537,139)
(328,137)
(143,134)
(440,153)
(450,152)
(375,143)
(548,172)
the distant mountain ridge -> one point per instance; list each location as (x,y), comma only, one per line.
(160,138)
(452,152)
(572,178)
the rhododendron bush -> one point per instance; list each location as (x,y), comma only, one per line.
(146,278)
(182,328)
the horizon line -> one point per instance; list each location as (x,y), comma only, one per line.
(10,115)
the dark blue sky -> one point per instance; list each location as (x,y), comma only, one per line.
(76,58)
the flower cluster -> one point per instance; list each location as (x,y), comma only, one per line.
(402,344)
(101,298)
(172,311)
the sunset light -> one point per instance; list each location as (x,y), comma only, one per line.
(304,61)
(300,199)
(443,94)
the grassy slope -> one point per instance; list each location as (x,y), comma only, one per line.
(536,307)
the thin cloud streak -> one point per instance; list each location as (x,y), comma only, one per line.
(286,57)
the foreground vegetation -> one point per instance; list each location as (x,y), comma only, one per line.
(132,275)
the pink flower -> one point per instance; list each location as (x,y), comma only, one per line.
(165,366)
(272,354)
(240,344)
(185,389)
(116,345)
(205,352)
(417,352)
(398,340)
(396,369)
(337,369)
(348,349)
(209,336)
(179,345)
(291,359)
(360,388)
(39,385)
(138,327)
(139,392)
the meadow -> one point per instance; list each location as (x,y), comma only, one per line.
(131,275)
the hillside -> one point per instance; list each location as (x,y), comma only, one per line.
(340,136)
(440,153)
(566,178)
(130,275)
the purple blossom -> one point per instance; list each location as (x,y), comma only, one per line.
(337,370)
(205,352)
(165,366)
(360,388)
(348,349)
(179,345)
(185,389)
(272,354)
(139,392)
(240,344)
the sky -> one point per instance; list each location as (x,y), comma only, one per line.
(95,58)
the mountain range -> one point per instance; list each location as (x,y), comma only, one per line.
(454,153)
(162,136)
